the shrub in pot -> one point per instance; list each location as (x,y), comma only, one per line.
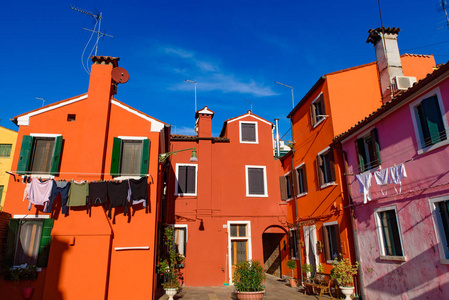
(291,264)
(248,278)
(307,269)
(344,272)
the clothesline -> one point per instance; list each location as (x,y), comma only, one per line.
(354,174)
(72,173)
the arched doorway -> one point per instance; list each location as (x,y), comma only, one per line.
(275,249)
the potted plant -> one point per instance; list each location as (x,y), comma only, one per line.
(248,278)
(343,272)
(168,266)
(291,264)
(307,269)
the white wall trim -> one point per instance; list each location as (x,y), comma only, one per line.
(379,230)
(264,181)
(133,137)
(156,126)
(45,135)
(252,116)
(176,180)
(256,129)
(31,217)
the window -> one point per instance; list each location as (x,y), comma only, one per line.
(40,154)
(1,193)
(331,237)
(294,240)
(286,186)
(180,239)
(301,180)
(5,150)
(248,132)
(239,242)
(368,151)
(238,230)
(28,242)
(325,167)
(130,156)
(317,110)
(186,175)
(388,231)
(256,181)
(440,211)
(429,122)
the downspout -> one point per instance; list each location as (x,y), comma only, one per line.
(278,154)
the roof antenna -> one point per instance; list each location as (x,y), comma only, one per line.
(250,104)
(443,7)
(43,100)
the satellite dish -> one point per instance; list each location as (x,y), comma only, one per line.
(119,75)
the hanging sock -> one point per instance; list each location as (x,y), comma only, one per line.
(397,173)
(381,177)
(364,180)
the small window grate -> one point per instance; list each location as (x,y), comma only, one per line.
(71,117)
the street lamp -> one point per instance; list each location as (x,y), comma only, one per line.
(193,81)
(293,98)
(193,158)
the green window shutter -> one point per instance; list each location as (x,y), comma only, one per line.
(8,259)
(433,120)
(360,150)
(375,140)
(56,156)
(145,157)
(44,245)
(25,154)
(115,160)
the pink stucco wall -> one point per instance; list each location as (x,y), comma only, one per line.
(422,275)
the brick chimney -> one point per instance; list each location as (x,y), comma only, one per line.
(203,124)
(388,57)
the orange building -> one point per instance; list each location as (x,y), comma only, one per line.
(322,223)
(91,138)
(226,207)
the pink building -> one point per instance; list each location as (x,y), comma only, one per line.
(402,227)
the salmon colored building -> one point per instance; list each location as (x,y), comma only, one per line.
(8,140)
(322,222)
(226,207)
(89,139)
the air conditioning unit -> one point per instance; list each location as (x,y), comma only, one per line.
(401,83)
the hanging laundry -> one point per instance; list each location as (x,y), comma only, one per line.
(382,178)
(118,195)
(98,192)
(397,173)
(78,193)
(139,191)
(39,192)
(59,188)
(364,180)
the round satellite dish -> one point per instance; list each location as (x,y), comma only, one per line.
(119,75)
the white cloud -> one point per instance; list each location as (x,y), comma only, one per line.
(183,130)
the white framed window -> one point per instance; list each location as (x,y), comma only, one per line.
(286,186)
(332,244)
(440,212)
(186,180)
(294,243)
(429,121)
(248,132)
(180,238)
(325,167)
(239,241)
(256,181)
(389,234)
(317,110)
(301,180)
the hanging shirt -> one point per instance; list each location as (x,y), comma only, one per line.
(382,178)
(39,192)
(139,191)
(397,173)
(118,195)
(59,188)
(364,180)
(78,194)
(98,192)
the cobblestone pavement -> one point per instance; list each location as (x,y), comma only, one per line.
(275,289)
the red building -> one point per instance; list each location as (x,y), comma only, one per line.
(226,207)
(88,138)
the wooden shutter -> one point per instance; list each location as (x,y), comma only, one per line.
(145,162)
(256,182)
(182,176)
(304,179)
(433,120)
(332,164)
(283,186)
(360,151)
(375,141)
(25,154)
(8,259)
(313,114)
(115,160)
(56,156)
(248,132)
(327,251)
(295,182)
(190,180)
(319,169)
(44,245)
(321,104)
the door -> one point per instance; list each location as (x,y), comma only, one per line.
(239,242)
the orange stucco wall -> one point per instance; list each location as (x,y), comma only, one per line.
(83,262)
(221,197)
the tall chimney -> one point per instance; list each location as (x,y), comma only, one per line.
(204,122)
(385,41)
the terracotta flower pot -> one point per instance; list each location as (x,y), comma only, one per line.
(293,282)
(250,295)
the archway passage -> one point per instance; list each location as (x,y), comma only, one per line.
(275,250)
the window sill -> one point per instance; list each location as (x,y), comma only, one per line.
(393,258)
(319,122)
(301,195)
(433,147)
(128,177)
(257,196)
(249,142)
(328,185)
(185,195)
(444,261)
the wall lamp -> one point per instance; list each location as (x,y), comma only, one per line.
(193,158)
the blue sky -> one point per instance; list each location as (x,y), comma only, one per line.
(235,50)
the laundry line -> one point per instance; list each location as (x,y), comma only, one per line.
(74,173)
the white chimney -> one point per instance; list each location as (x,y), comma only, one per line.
(388,57)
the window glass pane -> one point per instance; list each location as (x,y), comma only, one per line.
(301,181)
(242,230)
(443,224)
(326,168)
(27,244)
(179,240)
(333,245)
(42,154)
(190,180)
(5,150)
(390,233)
(289,188)
(248,132)
(241,251)
(131,157)
(233,230)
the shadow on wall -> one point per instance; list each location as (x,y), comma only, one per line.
(412,278)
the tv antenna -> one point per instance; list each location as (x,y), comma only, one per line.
(43,100)
(443,6)
(250,103)
(98,17)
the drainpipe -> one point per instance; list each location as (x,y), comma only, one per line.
(278,154)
